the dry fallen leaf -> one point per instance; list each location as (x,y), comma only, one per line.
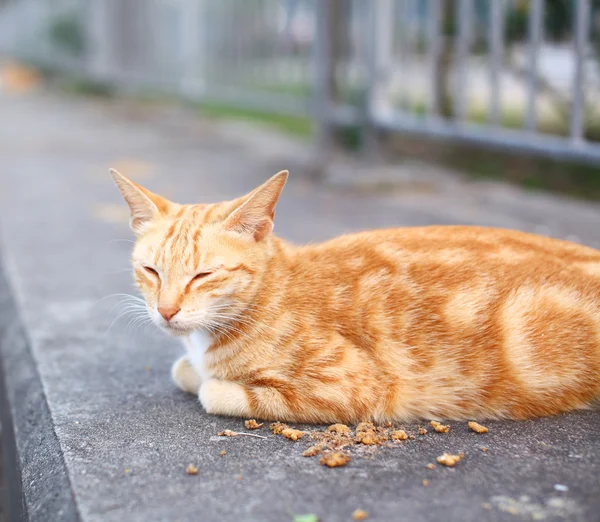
(477,428)
(191,470)
(335,459)
(449,460)
(439,427)
(252,424)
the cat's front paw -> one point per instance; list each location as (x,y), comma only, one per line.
(184,376)
(224,398)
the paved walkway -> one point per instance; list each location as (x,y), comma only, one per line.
(102,433)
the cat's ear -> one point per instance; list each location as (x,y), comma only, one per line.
(255,216)
(143,204)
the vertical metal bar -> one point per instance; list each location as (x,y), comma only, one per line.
(495,39)
(536,19)
(463,35)
(190,19)
(371,19)
(322,59)
(581,27)
(434,49)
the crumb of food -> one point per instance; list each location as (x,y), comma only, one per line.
(484,448)
(365,426)
(278,427)
(360,514)
(314,450)
(398,435)
(430,466)
(335,459)
(425,482)
(461,454)
(449,460)
(341,429)
(439,427)
(411,437)
(226,433)
(240,477)
(477,428)
(127,471)
(486,505)
(148,367)
(422,431)
(223,453)
(191,470)
(292,434)
(368,438)
(252,424)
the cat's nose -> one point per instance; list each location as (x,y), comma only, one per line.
(168,312)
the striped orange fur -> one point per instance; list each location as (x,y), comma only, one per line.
(445,322)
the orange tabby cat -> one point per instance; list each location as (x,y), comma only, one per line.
(446,322)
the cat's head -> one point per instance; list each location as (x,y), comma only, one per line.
(199,266)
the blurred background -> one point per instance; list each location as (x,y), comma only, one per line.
(497,88)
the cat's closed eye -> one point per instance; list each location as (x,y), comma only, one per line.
(151,270)
(200,275)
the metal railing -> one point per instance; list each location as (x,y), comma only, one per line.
(442,68)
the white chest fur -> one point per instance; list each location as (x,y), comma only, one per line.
(197,344)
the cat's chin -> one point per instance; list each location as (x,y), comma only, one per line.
(176,331)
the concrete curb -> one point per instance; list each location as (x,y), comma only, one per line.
(36,479)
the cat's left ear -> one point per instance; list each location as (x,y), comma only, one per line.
(255,216)
(143,204)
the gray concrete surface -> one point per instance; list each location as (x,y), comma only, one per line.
(100,432)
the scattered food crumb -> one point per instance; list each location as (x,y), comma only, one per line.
(399,435)
(449,460)
(365,426)
(360,514)
(425,482)
(461,454)
(292,434)
(561,487)
(148,367)
(191,470)
(127,471)
(484,448)
(230,433)
(252,424)
(477,428)
(422,431)
(368,438)
(223,453)
(240,477)
(335,459)
(439,427)
(342,429)
(430,466)
(486,505)
(314,450)
(278,427)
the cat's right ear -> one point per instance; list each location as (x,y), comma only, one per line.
(143,204)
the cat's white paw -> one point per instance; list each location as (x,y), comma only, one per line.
(224,398)
(184,376)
